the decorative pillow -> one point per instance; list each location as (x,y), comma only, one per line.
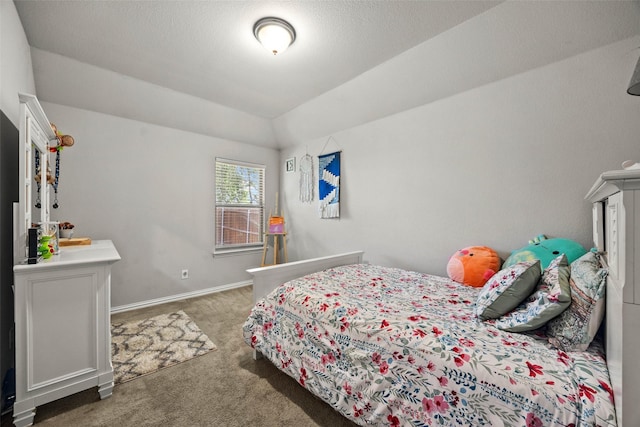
(552,297)
(473,266)
(507,289)
(546,250)
(575,328)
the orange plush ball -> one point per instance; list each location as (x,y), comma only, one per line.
(473,266)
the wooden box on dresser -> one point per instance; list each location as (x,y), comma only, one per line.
(62,324)
(616,233)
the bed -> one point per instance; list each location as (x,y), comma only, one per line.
(385,346)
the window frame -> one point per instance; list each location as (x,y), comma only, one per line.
(220,249)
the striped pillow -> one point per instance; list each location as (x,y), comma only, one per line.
(576,327)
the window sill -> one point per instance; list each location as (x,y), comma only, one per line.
(236,251)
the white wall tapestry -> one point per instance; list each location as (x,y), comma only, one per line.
(329,185)
(306,178)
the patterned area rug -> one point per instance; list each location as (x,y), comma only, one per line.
(146,346)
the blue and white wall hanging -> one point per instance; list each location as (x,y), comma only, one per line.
(329,185)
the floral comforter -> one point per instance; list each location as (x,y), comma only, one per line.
(385,346)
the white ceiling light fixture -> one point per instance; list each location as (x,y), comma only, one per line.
(275,34)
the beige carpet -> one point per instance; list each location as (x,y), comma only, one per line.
(146,346)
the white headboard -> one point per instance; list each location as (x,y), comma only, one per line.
(616,234)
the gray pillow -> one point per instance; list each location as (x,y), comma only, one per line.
(550,299)
(506,289)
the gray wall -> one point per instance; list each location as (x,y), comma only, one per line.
(495,165)
(150,189)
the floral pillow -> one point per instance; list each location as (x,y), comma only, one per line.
(506,289)
(575,328)
(552,297)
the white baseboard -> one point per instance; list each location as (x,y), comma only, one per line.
(172,298)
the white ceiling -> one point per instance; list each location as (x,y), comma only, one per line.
(207,49)
(194,65)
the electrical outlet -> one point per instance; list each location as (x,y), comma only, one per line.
(184,274)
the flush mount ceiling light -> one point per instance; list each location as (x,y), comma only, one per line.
(275,34)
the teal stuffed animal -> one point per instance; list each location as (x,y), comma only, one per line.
(546,250)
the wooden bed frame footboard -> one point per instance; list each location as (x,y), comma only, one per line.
(266,279)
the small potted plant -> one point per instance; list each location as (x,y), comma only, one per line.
(66,230)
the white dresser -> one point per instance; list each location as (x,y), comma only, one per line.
(616,232)
(62,324)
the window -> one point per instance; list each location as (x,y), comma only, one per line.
(239,205)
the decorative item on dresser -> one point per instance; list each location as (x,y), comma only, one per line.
(616,233)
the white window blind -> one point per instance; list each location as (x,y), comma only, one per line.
(239,204)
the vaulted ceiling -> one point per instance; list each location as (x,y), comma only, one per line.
(207,48)
(353,60)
